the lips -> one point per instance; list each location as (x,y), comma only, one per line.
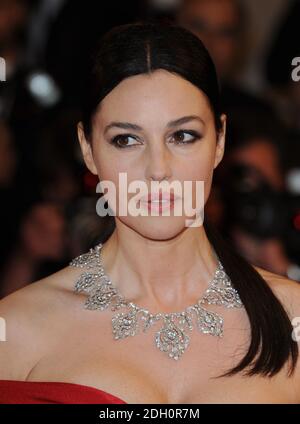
(159,197)
(158,202)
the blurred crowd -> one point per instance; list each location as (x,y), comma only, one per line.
(48,213)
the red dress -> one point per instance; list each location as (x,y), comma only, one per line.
(15,392)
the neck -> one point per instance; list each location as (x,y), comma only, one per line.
(161,275)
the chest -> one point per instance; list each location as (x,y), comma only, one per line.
(135,370)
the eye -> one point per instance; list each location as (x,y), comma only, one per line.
(121,141)
(186,137)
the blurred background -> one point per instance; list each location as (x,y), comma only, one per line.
(48,197)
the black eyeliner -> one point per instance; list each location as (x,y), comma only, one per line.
(114,140)
(195,134)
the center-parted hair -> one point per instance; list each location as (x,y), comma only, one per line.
(135,49)
(142,48)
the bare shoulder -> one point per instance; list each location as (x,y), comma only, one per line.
(29,317)
(288,292)
(286,289)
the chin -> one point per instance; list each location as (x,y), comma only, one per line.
(157,227)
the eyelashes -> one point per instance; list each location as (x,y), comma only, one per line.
(193,134)
(120,141)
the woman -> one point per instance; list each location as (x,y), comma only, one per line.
(151,112)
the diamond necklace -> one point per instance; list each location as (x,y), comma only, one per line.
(172,338)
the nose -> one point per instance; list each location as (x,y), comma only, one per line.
(158,164)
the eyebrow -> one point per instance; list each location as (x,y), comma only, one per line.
(134,127)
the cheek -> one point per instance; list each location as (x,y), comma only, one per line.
(109,164)
(199,168)
(119,174)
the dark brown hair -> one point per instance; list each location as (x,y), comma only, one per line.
(141,48)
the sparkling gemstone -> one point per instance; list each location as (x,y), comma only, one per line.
(171,338)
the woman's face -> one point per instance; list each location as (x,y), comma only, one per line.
(153,146)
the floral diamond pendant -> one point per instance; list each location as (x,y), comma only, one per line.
(101,297)
(209,322)
(172,340)
(124,325)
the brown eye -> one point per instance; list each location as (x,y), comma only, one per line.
(121,141)
(185,137)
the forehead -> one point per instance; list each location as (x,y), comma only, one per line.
(158,96)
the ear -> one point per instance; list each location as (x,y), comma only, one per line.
(86,149)
(220,147)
